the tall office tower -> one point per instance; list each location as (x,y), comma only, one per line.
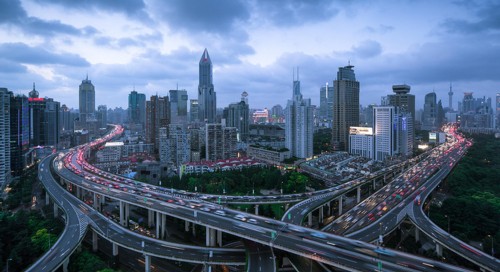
(51,118)
(4,136)
(237,115)
(66,120)
(405,102)
(497,111)
(180,151)
(19,132)
(178,106)
(229,139)
(406,133)
(385,132)
(440,114)
(450,99)
(87,100)
(429,118)
(102,116)
(157,116)
(299,124)
(326,102)
(213,142)
(206,95)
(137,108)
(193,110)
(345,107)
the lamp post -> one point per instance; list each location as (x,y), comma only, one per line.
(492,244)
(448,223)
(8,260)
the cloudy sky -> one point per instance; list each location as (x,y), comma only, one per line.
(254,45)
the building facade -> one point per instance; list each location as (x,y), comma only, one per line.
(86,100)
(178,106)
(19,132)
(237,115)
(5,158)
(385,132)
(137,108)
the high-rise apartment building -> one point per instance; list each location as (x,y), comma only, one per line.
(345,107)
(19,132)
(66,119)
(213,142)
(157,116)
(4,136)
(207,100)
(180,150)
(497,111)
(299,124)
(137,108)
(87,100)
(44,125)
(237,115)
(178,106)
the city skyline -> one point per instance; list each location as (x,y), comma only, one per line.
(254,47)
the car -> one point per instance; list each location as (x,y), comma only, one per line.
(251,220)
(219,212)
(240,217)
(318,235)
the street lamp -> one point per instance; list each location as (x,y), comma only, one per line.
(448,223)
(8,260)
(492,243)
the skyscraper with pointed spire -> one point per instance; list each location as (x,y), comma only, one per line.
(206,94)
(87,100)
(450,97)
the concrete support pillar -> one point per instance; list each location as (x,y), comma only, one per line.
(257,209)
(358,194)
(219,238)
(115,249)
(374,185)
(320,218)
(163,226)
(94,241)
(186,226)
(127,213)
(328,209)
(194,229)
(151,218)
(210,237)
(122,213)
(158,224)
(103,200)
(439,249)
(341,204)
(56,210)
(385,176)
(96,202)
(65,264)
(47,199)
(417,235)
(147,261)
(310,219)
(287,205)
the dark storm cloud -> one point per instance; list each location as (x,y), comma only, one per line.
(10,67)
(22,53)
(132,8)
(295,12)
(217,17)
(13,14)
(488,19)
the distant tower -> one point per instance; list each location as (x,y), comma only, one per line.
(87,100)
(206,95)
(450,97)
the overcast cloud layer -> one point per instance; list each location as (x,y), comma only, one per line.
(254,46)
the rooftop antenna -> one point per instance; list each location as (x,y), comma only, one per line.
(298,73)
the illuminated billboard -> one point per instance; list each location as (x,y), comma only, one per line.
(432,136)
(360,131)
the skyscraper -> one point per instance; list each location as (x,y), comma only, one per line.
(178,106)
(385,132)
(429,118)
(450,99)
(345,107)
(4,136)
(213,142)
(137,108)
(299,124)
(102,116)
(237,115)
(497,102)
(206,95)
(326,103)
(19,132)
(44,125)
(405,103)
(157,115)
(87,100)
